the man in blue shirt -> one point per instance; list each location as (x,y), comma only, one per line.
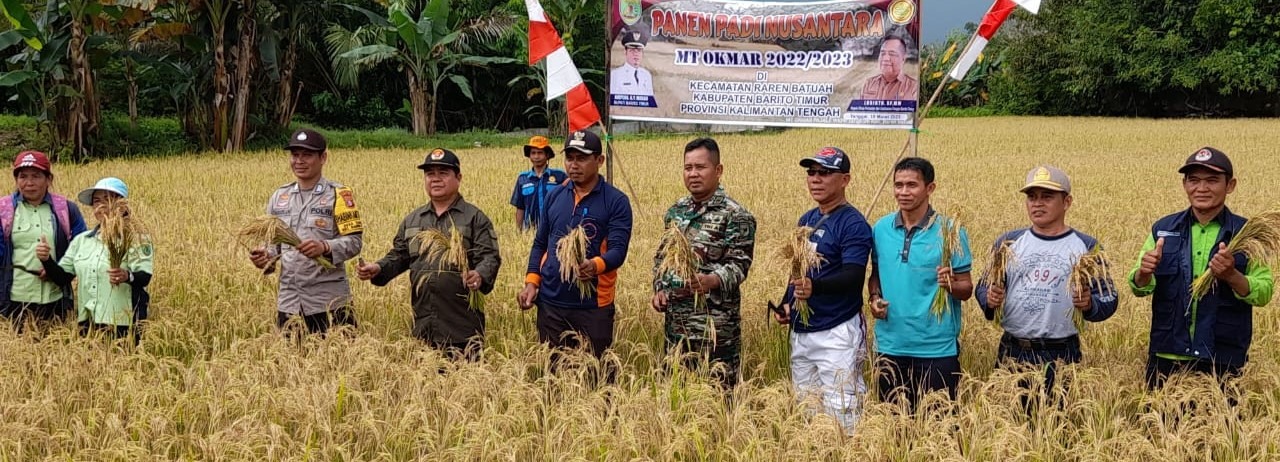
(919,351)
(570,318)
(532,185)
(828,350)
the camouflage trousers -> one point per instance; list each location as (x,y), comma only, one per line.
(723,360)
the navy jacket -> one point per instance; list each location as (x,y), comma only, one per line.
(1224,323)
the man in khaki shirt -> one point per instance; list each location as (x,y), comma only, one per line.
(891,83)
(323,213)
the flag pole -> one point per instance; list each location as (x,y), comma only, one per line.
(916,122)
(606,122)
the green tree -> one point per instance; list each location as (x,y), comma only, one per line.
(429,43)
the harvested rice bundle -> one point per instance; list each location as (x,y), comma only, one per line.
(1093,269)
(803,257)
(270,230)
(1001,258)
(447,251)
(571,251)
(680,261)
(1258,240)
(949,227)
(120,231)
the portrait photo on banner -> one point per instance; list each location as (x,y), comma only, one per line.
(853,64)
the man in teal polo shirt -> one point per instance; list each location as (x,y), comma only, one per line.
(919,351)
(1210,335)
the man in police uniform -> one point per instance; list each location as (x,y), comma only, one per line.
(529,196)
(891,83)
(703,315)
(442,315)
(324,215)
(630,78)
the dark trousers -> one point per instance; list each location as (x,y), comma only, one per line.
(910,378)
(458,352)
(591,330)
(566,329)
(41,314)
(318,323)
(1160,369)
(724,361)
(111,331)
(1018,352)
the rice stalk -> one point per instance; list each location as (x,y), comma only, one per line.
(268,230)
(680,261)
(120,231)
(1001,258)
(571,251)
(449,254)
(1258,239)
(802,257)
(1091,270)
(949,228)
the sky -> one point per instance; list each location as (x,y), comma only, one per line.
(943,16)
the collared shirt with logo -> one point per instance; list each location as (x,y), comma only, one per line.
(306,288)
(531,191)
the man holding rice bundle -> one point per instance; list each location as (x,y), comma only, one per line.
(828,343)
(1212,334)
(1033,291)
(703,313)
(918,345)
(323,213)
(439,287)
(592,219)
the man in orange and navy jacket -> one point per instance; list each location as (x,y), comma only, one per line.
(567,315)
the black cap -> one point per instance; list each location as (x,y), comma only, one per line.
(830,158)
(634,37)
(582,141)
(1211,159)
(441,157)
(306,138)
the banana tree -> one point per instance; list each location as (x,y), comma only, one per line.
(428,41)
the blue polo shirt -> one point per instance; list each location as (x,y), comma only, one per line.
(907,260)
(605,215)
(531,191)
(843,239)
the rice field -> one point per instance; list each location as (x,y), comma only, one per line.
(212,381)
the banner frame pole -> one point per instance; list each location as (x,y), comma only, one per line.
(606,122)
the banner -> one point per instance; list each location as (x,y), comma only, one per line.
(843,63)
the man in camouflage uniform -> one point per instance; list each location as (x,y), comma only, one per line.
(703,315)
(323,213)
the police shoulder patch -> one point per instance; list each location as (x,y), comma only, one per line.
(345,213)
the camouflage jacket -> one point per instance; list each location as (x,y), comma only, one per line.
(723,235)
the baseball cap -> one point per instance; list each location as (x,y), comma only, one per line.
(306,138)
(1211,159)
(1047,177)
(441,157)
(33,159)
(110,183)
(539,142)
(830,158)
(635,37)
(583,141)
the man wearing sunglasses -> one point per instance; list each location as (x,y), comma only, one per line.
(827,348)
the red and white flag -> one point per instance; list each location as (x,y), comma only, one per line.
(562,75)
(1000,10)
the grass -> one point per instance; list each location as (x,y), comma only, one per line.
(212,382)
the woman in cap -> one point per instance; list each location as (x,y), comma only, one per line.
(111,300)
(30,216)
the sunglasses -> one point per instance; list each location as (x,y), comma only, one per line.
(820,172)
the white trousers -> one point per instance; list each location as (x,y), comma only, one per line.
(829,364)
